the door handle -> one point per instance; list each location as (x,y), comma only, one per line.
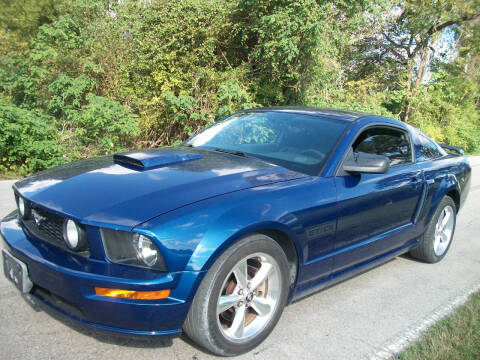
(430,181)
(416,179)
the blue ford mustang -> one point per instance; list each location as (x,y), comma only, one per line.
(217,235)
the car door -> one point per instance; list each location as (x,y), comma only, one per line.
(376,211)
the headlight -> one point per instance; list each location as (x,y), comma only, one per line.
(146,250)
(128,248)
(22,207)
(74,235)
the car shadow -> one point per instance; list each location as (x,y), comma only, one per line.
(98,334)
(407,256)
(190,342)
(153,342)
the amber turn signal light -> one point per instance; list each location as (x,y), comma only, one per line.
(131,294)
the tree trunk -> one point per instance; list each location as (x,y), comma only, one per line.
(421,68)
(418,81)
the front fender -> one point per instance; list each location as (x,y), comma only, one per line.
(287,208)
(191,238)
(235,224)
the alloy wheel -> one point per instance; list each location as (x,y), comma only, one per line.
(443,231)
(249,297)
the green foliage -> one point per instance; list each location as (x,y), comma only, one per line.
(103,123)
(20,21)
(281,37)
(179,71)
(58,80)
(68,93)
(28,140)
(232,96)
(359,95)
(438,114)
(112,75)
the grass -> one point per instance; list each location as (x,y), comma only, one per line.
(10,175)
(457,336)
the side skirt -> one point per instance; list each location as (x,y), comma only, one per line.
(340,276)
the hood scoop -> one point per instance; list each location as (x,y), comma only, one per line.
(155,158)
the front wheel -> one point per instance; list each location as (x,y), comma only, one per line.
(241,298)
(438,236)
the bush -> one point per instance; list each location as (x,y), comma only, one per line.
(103,125)
(28,140)
(104,76)
(446,110)
(179,68)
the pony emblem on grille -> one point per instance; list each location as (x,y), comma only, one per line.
(37,218)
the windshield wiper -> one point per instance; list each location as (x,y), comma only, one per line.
(233,152)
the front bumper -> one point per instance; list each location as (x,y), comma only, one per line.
(66,283)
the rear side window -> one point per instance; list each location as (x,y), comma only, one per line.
(392,143)
(429,150)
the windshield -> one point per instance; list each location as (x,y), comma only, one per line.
(297,142)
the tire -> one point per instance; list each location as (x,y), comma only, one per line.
(434,243)
(219,330)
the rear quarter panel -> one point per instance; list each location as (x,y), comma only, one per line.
(450,175)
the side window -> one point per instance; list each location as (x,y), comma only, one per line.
(392,143)
(428,148)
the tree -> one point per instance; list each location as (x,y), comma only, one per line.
(21,19)
(406,38)
(108,75)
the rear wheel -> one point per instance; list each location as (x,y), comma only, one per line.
(241,298)
(438,237)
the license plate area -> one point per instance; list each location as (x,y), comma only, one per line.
(16,271)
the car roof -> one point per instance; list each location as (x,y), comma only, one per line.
(345,115)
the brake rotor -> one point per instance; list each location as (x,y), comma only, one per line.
(227,316)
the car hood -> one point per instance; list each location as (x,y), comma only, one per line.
(127,189)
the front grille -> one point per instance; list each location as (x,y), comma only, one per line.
(48,226)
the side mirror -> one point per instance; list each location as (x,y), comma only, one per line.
(366,163)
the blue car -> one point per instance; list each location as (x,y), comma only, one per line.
(216,236)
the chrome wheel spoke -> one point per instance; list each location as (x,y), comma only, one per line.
(262,306)
(444,231)
(240,273)
(238,325)
(261,275)
(444,237)
(440,220)
(436,244)
(226,302)
(445,219)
